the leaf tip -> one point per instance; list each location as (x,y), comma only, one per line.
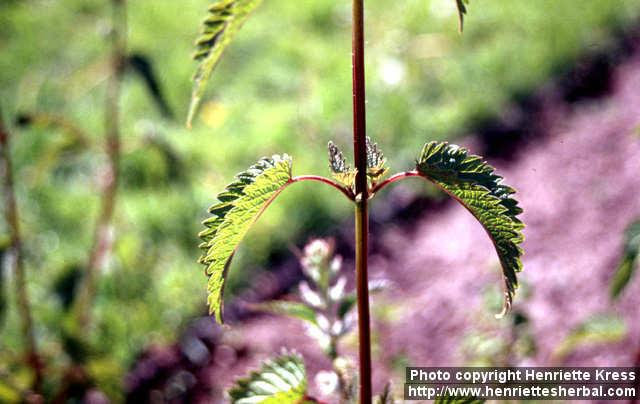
(462,10)
(506,305)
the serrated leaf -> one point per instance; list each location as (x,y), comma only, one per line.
(287,308)
(337,162)
(281,380)
(224,20)
(473,183)
(340,169)
(462,10)
(629,261)
(598,329)
(376,161)
(239,206)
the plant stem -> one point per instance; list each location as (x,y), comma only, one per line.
(102,237)
(362,290)
(12,217)
(361,211)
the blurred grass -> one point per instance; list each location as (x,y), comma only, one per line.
(283,86)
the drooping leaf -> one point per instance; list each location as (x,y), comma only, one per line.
(224,20)
(462,10)
(238,208)
(376,161)
(598,329)
(281,380)
(629,261)
(473,183)
(287,308)
(340,169)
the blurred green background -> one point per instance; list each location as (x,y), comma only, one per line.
(282,86)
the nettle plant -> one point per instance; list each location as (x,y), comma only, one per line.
(325,307)
(463,176)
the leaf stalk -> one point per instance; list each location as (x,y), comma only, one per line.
(394,178)
(345,191)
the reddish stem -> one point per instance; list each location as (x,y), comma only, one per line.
(361,201)
(346,191)
(394,178)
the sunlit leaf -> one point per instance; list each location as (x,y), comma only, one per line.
(340,169)
(238,208)
(629,261)
(224,20)
(473,183)
(376,162)
(281,380)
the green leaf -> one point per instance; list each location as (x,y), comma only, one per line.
(238,208)
(281,380)
(462,10)
(340,170)
(287,308)
(472,182)
(598,329)
(629,261)
(376,162)
(224,20)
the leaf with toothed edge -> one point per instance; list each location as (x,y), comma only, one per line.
(376,162)
(238,207)
(340,169)
(224,20)
(281,380)
(473,183)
